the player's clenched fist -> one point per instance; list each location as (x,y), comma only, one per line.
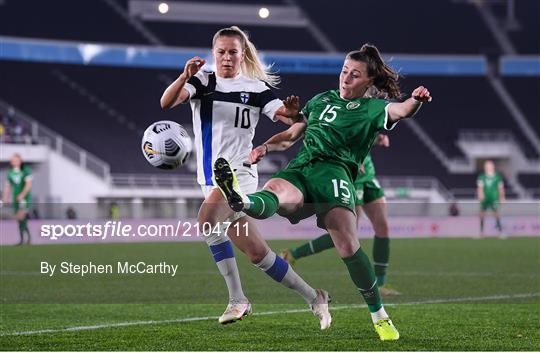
(422,94)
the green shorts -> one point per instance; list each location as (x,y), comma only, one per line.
(367,191)
(489,205)
(23,205)
(324,184)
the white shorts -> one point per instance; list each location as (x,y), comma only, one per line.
(248,180)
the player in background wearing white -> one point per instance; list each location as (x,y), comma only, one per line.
(226,107)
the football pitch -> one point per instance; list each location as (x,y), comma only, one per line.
(457,294)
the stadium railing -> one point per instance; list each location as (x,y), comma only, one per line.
(153,181)
(58,143)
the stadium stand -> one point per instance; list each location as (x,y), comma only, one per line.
(116,104)
(525,92)
(360,22)
(186,35)
(459,108)
(531,182)
(51,19)
(524,28)
(37,91)
(108,107)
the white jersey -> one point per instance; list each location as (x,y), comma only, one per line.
(225,114)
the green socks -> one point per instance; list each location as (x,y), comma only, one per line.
(263,204)
(481,225)
(498,224)
(381,254)
(363,276)
(23,228)
(314,246)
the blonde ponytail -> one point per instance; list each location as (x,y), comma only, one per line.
(252,66)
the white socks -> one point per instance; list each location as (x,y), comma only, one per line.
(281,272)
(221,249)
(379,315)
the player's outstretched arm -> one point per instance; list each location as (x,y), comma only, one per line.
(502,194)
(175,93)
(279,142)
(406,109)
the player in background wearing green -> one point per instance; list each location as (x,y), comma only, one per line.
(19,185)
(490,194)
(370,199)
(340,127)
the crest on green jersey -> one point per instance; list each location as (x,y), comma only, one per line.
(352,105)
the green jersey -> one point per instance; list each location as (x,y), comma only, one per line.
(368,172)
(490,185)
(340,131)
(17,179)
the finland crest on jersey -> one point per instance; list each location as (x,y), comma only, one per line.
(225,114)
(244,97)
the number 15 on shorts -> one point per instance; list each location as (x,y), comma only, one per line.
(341,190)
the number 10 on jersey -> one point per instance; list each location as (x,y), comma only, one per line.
(245,123)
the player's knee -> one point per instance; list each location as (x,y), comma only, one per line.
(257,252)
(286,194)
(347,248)
(207,215)
(274,188)
(256,255)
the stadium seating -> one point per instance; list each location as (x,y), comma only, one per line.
(525,36)
(531,182)
(37,91)
(368,21)
(457,107)
(357,22)
(525,91)
(84,20)
(133,95)
(105,109)
(265,38)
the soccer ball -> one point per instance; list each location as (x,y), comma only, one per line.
(166,145)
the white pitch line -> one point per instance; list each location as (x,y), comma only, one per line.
(264,313)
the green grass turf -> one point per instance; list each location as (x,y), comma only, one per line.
(476,279)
